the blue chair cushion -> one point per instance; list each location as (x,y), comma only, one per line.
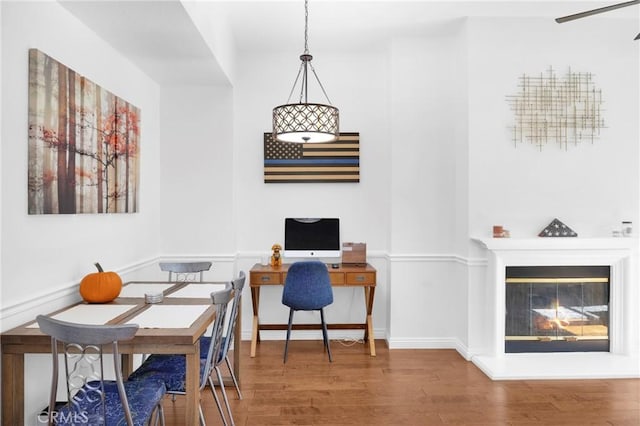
(143,397)
(307,286)
(205,341)
(171,369)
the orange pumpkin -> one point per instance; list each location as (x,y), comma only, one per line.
(101,286)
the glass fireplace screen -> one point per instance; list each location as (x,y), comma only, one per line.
(557,309)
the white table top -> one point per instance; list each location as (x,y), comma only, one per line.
(140,289)
(94,314)
(168,316)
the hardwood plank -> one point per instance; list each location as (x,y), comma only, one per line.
(412,387)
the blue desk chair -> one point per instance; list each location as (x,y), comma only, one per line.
(172,369)
(92,400)
(307,288)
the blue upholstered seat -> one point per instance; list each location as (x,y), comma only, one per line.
(307,288)
(171,369)
(92,400)
(143,397)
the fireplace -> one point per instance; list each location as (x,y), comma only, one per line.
(557,309)
(614,304)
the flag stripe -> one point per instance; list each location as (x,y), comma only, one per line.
(311,169)
(328,154)
(311,178)
(324,162)
(313,162)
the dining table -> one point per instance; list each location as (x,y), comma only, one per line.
(171,325)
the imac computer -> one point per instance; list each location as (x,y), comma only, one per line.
(311,237)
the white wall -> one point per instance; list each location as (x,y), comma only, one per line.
(427,117)
(197,171)
(591,187)
(357,84)
(44,257)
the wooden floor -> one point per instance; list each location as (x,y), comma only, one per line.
(406,387)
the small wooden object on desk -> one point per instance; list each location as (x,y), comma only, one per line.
(354,254)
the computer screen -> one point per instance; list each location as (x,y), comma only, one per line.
(312,237)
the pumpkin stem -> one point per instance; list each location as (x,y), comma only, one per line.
(99,267)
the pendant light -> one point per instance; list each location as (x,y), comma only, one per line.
(305,122)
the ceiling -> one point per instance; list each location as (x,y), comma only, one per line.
(161,38)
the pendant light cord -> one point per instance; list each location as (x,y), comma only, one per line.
(306,27)
(303,66)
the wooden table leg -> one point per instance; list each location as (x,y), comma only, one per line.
(127,365)
(13,389)
(192,386)
(368,334)
(255,334)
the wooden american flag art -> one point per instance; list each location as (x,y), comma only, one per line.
(337,161)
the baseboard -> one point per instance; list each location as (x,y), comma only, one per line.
(431,343)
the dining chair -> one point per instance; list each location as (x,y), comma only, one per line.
(172,368)
(227,338)
(91,399)
(185,271)
(307,288)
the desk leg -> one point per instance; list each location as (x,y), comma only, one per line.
(192,386)
(255,334)
(13,389)
(368,334)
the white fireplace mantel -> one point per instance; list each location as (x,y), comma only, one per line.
(563,243)
(619,254)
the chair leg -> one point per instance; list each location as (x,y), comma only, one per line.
(160,415)
(233,377)
(325,334)
(224,394)
(201,415)
(286,343)
(215,398)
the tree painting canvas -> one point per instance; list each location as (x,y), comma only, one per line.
(84,143)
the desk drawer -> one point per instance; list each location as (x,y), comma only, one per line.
(337,278)
(266,278)
(361,277)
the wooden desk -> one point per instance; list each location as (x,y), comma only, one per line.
(343,276)
(29,339)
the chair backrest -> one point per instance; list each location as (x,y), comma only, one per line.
(221,300)
(83,355)
(238,286)
(185,271)
(307,286)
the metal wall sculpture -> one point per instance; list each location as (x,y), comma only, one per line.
(565,110)
(83,143)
